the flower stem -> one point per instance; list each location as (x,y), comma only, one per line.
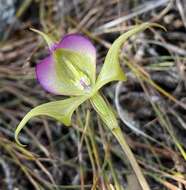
(120,138)
(107,115)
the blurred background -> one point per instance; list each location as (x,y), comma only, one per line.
(150,105)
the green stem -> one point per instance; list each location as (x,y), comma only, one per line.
(105,112)
(119,136)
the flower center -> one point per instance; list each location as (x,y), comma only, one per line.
(76,76)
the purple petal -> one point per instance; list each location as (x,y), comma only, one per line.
(78,43)
(46,75)
(45,70)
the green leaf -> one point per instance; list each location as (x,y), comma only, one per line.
(60,110)
(104,110)
(46,37)
(111,70)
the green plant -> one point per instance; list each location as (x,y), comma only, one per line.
(70,70)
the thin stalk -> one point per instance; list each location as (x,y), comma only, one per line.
(109,118)
(121,139)
(90,148)
(108,158)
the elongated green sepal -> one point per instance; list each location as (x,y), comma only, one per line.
(60,110)
(46,37)
(111,70)
(104,111)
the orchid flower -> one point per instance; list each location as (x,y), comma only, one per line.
(70,69)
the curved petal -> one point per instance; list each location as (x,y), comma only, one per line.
(61,110)
(80,44)
(47,76)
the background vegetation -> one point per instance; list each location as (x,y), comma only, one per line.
(150,105)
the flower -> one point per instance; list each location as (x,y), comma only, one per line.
(47,74)
(70,69)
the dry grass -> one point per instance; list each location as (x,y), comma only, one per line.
(150,105)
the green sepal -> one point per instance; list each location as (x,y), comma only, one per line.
(111,70)
(48,39)
(61,110)
(104,110)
